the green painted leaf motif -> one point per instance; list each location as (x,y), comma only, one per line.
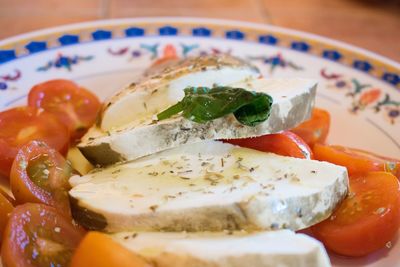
(202,104)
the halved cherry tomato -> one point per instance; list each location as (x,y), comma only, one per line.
(5,209)
(37,235)
(315,130)
(284,143)
(75,106)
(19,126)
(356,161)
(367,219)
(40,174)
(100,250)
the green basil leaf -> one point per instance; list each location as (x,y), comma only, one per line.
(255,112)
(202,104)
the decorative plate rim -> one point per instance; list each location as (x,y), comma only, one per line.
(387,69)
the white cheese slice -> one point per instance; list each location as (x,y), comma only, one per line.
(293,102)
(281,248)
(139,102)
(208,186)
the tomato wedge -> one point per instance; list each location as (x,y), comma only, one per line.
(20,125)
(316,129)
(112,253)
(356,161)
(40,174)
(284,143)
(75,106)
(6,208)
(367,219)
(37,235)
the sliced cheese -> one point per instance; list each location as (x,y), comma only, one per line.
(140,101)
(281,248)
(293,102)
(208,186)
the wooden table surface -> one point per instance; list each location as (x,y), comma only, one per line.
(371,24)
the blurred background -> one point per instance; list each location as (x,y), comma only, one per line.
(371,24)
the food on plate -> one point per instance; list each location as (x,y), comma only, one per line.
(204,145)
(7,195)
(367,220)
(276,248)
(284,143)
(74,106)
(316,129)
(292,104)
(356,161)
(100,250)
(40,174)
(208,186)
(37,235)
(20,125)
(165,87)
(78,161)
(6,208)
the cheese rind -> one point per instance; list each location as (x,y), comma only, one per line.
(293,102)
(264,249)
(211,186)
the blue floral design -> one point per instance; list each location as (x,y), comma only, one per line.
(66,62)
(276,61)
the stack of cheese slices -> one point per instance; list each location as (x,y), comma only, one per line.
(170,192)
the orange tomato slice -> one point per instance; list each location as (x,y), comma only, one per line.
(100,250)
(367,219)
(284,143)
(356,161)
(316,129)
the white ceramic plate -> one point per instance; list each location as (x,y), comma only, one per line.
(359,88)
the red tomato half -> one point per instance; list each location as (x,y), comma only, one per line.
(75,106)
(355,160)
(19,126)
(40,174)
(37,235)
(367,219)
(284,143)
(315,130)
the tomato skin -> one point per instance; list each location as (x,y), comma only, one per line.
(356,161)
(75,106)
(6,208)
(54,191)
(316,129)
(366,220)
(112,253)
(37,235)
(20,125)
(285,143)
